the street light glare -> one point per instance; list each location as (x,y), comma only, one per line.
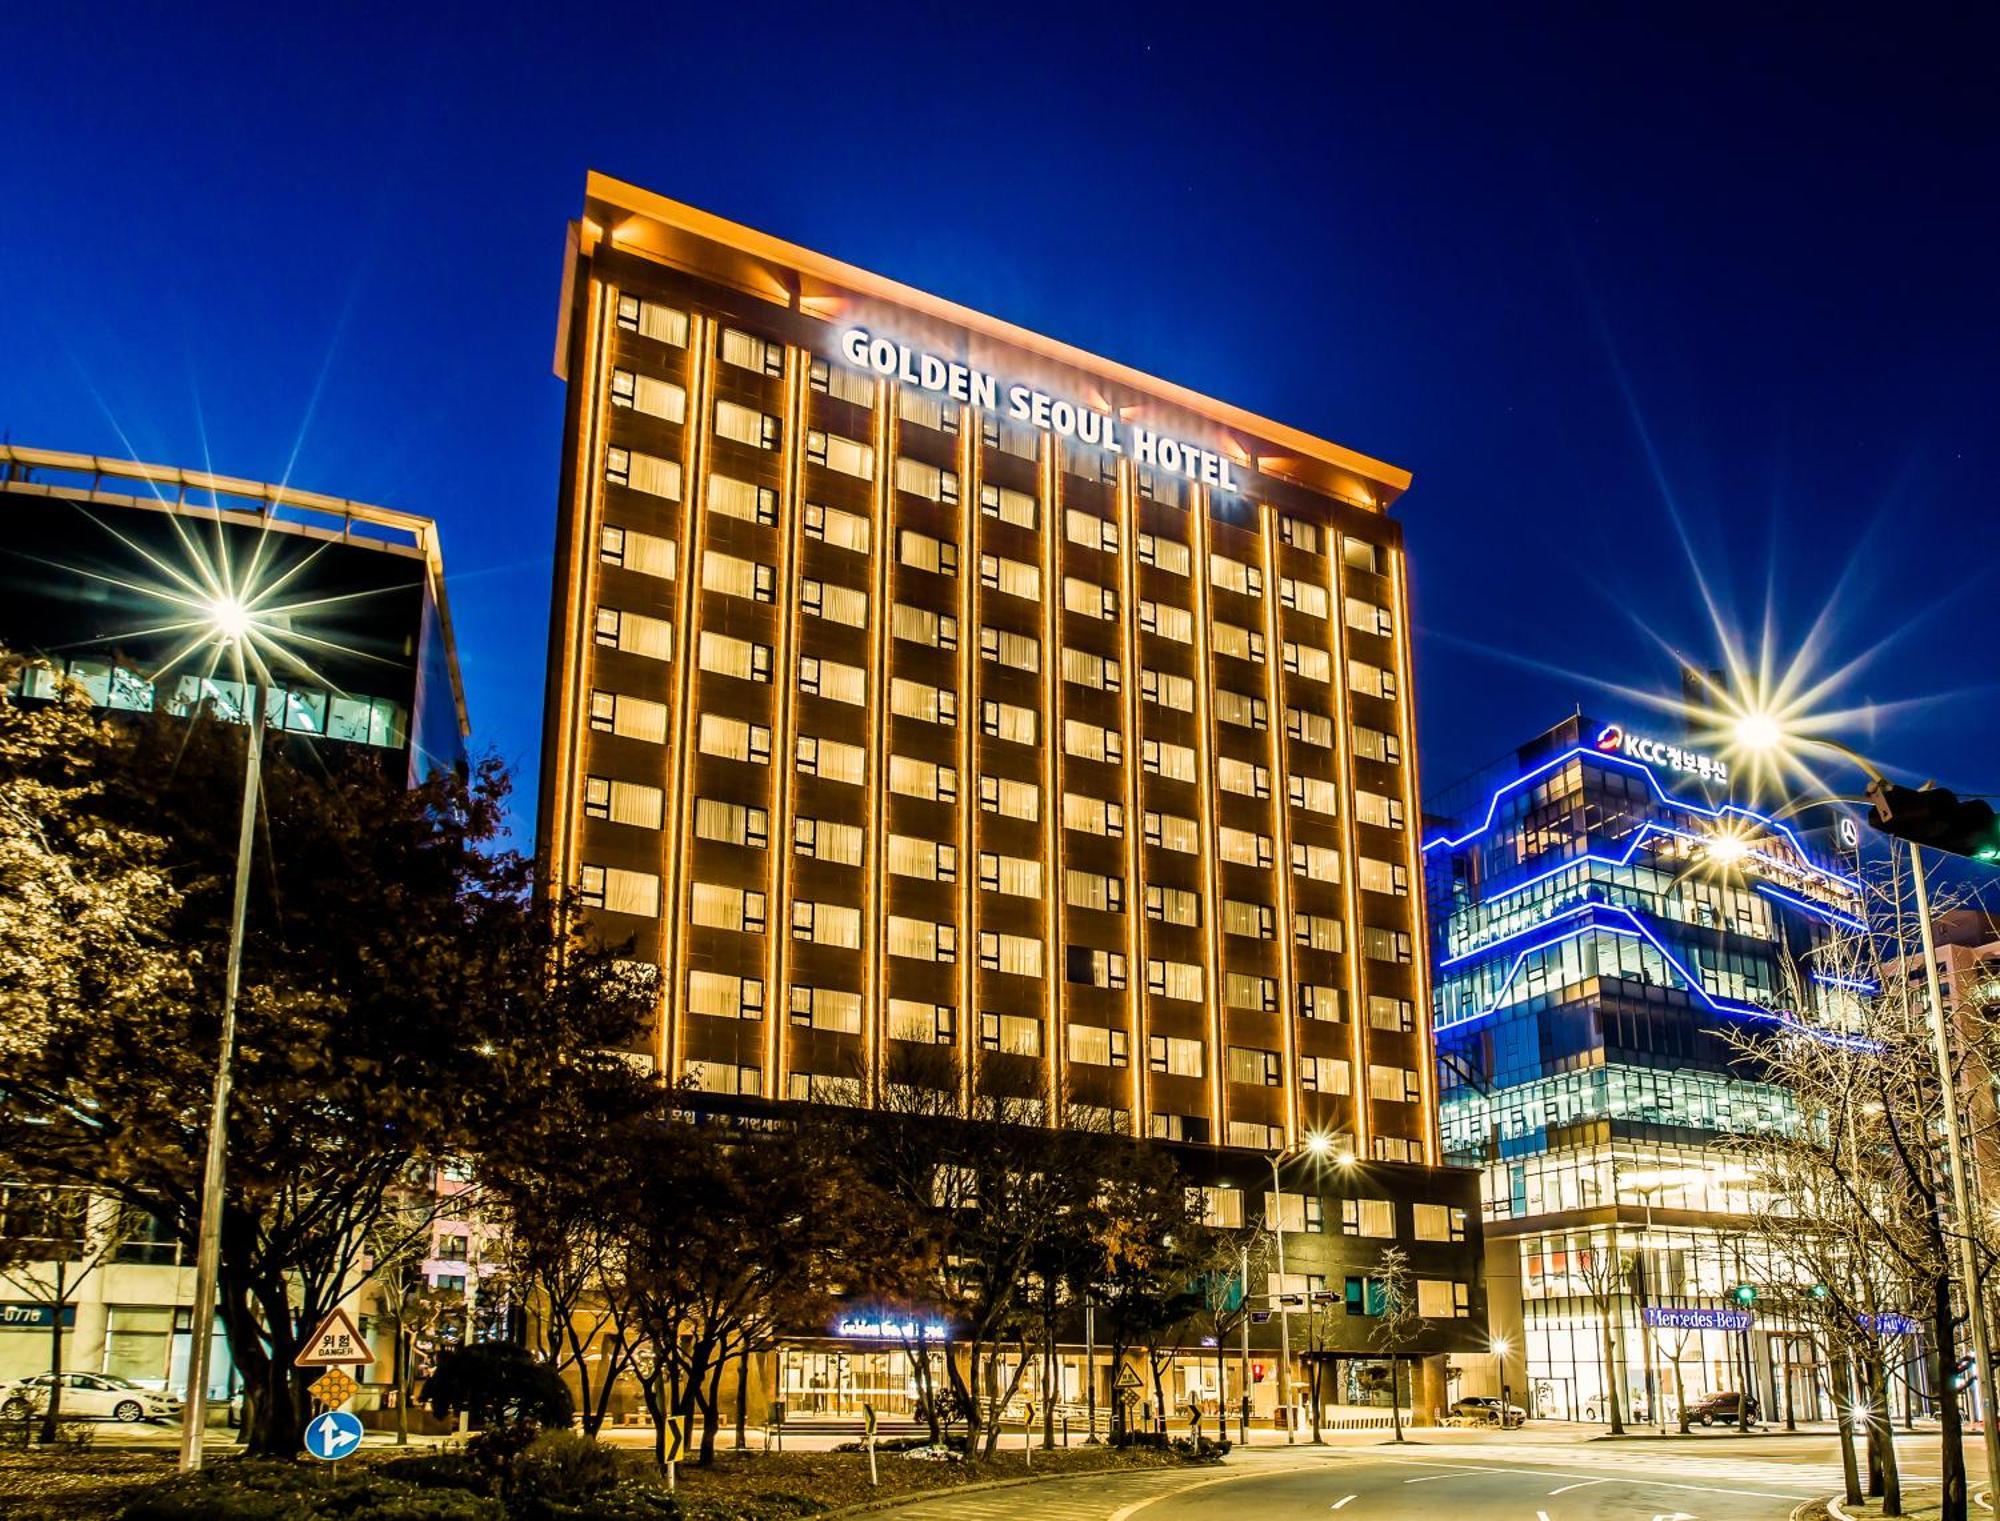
(1319,1143)
(1500,1346)
(1758,731)
(229,618)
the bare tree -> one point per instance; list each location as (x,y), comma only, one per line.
(1604,1272)
(1398,1322)
(51,1240)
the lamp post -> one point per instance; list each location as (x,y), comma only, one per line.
(1499,1344)
(229,623)
(1316,1144)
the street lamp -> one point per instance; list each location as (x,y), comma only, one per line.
(1317,1143)
(1500,1348)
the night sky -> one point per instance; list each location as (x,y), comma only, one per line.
(1628,288)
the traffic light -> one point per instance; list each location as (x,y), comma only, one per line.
(1817,1291)
(1936,819)
(1961,1373)
(1745,1294)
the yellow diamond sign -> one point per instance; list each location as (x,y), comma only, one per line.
(334,1388)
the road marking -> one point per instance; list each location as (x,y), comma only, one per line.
(1541,1515)
(1126,1513)
(1579,1484)
(1706,1489)
(1342,1501)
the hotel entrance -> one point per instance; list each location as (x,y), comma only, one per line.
(833,1381)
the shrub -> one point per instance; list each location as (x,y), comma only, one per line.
(437,1470)
(494,1381)
(1200,1449)
(253,1491)
(560,1468)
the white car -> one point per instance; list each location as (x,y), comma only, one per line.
(89,1396)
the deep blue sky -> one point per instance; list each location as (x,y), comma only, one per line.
(1568,266)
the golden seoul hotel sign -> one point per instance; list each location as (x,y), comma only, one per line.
(1038,409)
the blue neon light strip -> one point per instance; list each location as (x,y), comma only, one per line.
(1715,815)
(1806,905)
(1637,838)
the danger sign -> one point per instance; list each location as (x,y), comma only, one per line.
(335,1343)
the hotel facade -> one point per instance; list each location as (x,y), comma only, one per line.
(930,701)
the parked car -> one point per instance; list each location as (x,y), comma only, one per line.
(1726,1408)
(89,1396)
(1484,1407)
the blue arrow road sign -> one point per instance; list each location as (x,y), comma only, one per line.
(333,1435)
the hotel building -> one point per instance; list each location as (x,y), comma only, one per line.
(1595,952)
(919,684)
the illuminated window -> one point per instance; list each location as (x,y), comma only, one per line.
(833,680)
(923,552)
(738,578)
(1017,955)
(724,997)
(643,472)
(1438,1222)
(1309,728)
(1014,800)
(1385,944)
(1242,778)
(1094,1046)
(1172,905)
(832,760)
(644,393)
(1384,877)
(1167,621)
(1167,689)
(919,700)
(1309,661)
(632,803)
(745,425)
(1022,652)
(1443,1299)
(1087,599)
(1008,721)
(843,530)
(928,1023)
(628,717)
(1325,1074)
(1244,847)
(750,353)
(1320,932)
(725,1077)
(1220,1208)
(635,633)
(1299,533)
(826,840)
(919,625)
(646,553)
(1377,745)
(1368,1217)
(1008,505)
(620,892)
(1174,979)
(1015,876)
(1090,530)
(931,482)
(1359,554)
(1396,1085)
(650,319)
(1169,555)
(1092,742)
(1163,758)
(1367,618)
(845,605)
(1239,643)
(715,906)
(1312,794)
(1093,890)
(1241,709)
(826,923)
(1008,438)
(1172,831)
(732,738)
(1016,579)
(925,859)
(725,655)
(732,823)
(1321,1003)
(1175,1056)
(1093,815)
(1382,812)
(1307,597)
(910,777)
(1100,969)
(1370,680)
(1241,990)
(1015,1034)
(1233,575)
(1387,1013)
(1158,486)
(744,500)
(1316,863)
(843,384)
(846,455)
(933,412)
(1253,921)
(922,940)
(834,1009)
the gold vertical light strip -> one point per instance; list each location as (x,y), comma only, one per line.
(784,780)
(1204,702)
(1413,853)
(1135,888)
(875,849)
(694,527)
(586,513)
(1281,813)
(965,529)
(1056,894)
(1343,736)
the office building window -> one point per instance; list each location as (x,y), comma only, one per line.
(832,525)
(1015,1034)
(1097,969)
(751,353)
(732,823)
(745,425)
(732,739)
(826,923)
(629,717)
(652,320)
(632,803)
(922,552)
(724,655)
(743,500)
(927,1023)
(827,840)
(643,472)
(1243,990)
(724,997)
(1018,955)
(1093,815)
(644,393)
(646,553)
(715,906)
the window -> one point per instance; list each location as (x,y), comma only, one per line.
(1242,778)
(1254,1136)
(1316,863)
(846,605)
(845,384)
(1008,438)
(1384,877)
(1016,1034)
(1090,530)
(746,352)
(1239,708)
(734,908)
(1377,745)
(910,777)
(1312,794)
(1244,847)
(632,803)
(1166,689)
(1018,955)
(822,1088)
(846,455)
(1014,800)
(1176,1127)
(629,717)
(1262,1069)
(1368,1217)
(922,552)
(825,840)
(620,892)
(832,760)
(1325,1074)
(1087,670)
(1387,1013)
(1172,905)
(1088,599)
(1298,533)
(1320,932)
(1168,621)
(1169,555)
(831,525)
(745,425)
(1170,831)
(1442,1299)
(826,1009)
(1382,812)
(1385,944)
(1175,1056)
(1253,921)
(1174,979)
(1367,618)
(833,680)
(1397,1085)
(930,1023)
(1316,1002)
(1241,990)
(635,633)
(928,860)
(643,393)
(919,625)
(646,553)
(1014,577)
(1008,721)
(921,940)
(1292,1213)
(1157,486)
(826,923)
(1239,643)
(1307,597)
(916,699)
(652,320)
(643,472)
(1093,890)
(1221,1208)
(727,656)
(1093,815)
(931,482)
(1023,652)
(1097,969)
(738,578)
(725,1077)
(1095,1046)
(1164,758)
(1439,1222)
(1016,876)
(1009,506)
(1233,575)
(725,997)
(1309,728)
(1370,680)
(1359,554)
(1309,661)
(743,500)
(732,823)
(927,411)
(732,739)
(1092,742)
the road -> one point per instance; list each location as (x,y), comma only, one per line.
(1492,1478)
